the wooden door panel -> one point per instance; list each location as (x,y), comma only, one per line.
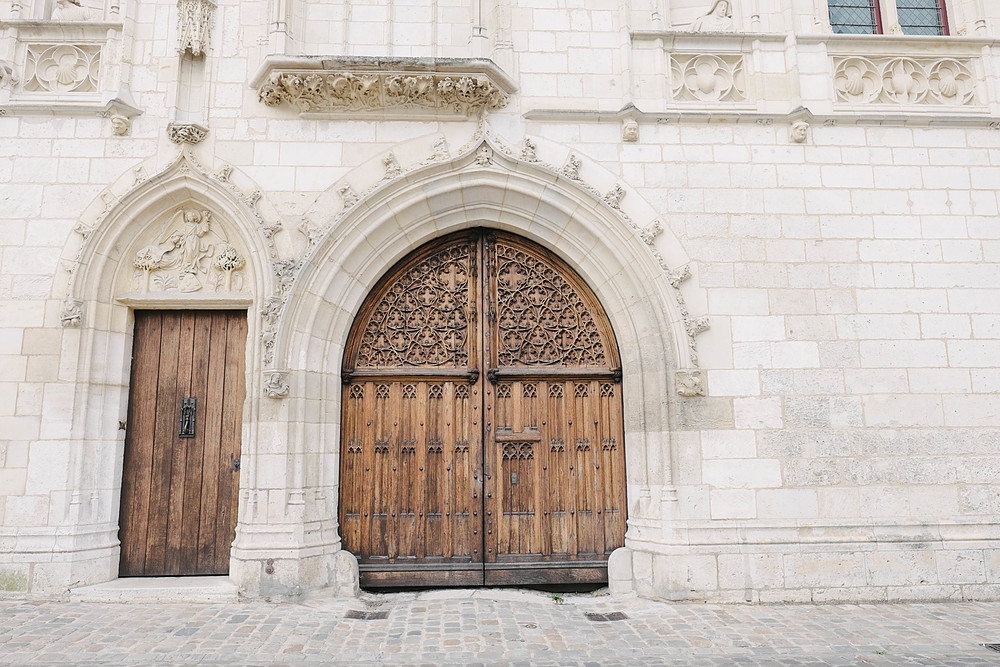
(179,495)
(446,472)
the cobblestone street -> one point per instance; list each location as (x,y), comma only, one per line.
(494,627)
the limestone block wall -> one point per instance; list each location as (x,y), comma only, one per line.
(839,428)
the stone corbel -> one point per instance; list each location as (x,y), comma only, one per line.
(186,133)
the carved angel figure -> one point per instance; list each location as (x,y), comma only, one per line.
(70,10)
(718,19)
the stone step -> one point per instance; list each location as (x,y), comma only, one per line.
(159,590)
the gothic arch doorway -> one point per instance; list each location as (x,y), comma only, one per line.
(482,439)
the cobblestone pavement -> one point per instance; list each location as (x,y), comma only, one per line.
(497,627)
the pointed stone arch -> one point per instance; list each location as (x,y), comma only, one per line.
(481,185)
(95,294)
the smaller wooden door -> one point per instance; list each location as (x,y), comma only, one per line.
(180,478)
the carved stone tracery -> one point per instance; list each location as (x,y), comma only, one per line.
(904,81)
(422,320)
(195,21)
(541,320)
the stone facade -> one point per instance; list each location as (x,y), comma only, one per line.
(795,235)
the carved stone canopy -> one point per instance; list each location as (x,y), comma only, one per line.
(359,85)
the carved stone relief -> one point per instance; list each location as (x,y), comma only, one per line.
(195,21)
(70,10)
(718,19)
(690,383)
(708,78)
(276,384)
(62,68)
(905,81)
(191,256)
(120,125)
(630,130)
(342,92)
(186,133)
(8,77)
(71,314)
(799,131)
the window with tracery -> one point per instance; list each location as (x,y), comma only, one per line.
(865,17)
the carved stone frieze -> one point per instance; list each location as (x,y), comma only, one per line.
(195,20)
(707,77)
(191,256)
(276,384)
(392,167)
(358,85)
(348,196)
(905,81)
(529,152)
(186,133)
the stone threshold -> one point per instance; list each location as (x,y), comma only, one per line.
(159,590)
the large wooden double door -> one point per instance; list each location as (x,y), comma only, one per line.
(482,438)
(180,477)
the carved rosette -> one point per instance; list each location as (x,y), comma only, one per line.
(195,20)
(191,255)
(904,81)
(346,92)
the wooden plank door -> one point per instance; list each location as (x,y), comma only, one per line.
(555,486)
(411,449)
(180,477)
(455,476)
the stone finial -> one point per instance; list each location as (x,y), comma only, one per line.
(630,130)
(690,383)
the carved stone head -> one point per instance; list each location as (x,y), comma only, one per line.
(120,125)
(799,131)
(630,130)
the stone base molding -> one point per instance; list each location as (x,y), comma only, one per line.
(835,562)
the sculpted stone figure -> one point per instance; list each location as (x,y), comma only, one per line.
(69,10)
(718,19)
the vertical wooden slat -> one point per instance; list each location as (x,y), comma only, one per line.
(140,429)
(213,458)
(164,441)
(234,394)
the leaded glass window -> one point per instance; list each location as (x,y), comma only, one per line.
(855,17)
(921,17)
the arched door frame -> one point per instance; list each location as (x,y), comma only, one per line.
(381,228)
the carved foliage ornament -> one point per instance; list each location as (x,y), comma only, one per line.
(189,257)
(370,91)
(904,81)
(423,318)
(708,78)
(195,21)
(186,133)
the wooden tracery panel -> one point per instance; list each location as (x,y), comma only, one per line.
(451,476)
